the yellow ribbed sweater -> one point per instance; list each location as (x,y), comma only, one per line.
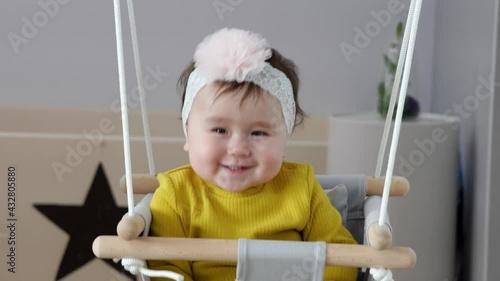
(292,206)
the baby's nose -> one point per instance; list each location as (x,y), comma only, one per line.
(239,147)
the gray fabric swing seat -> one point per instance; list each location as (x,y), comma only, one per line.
(347,193)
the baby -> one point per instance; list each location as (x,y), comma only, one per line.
(239,107)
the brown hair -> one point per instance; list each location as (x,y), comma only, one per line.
(250,89)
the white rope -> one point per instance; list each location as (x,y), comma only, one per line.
(395,90)
(135,266)
(399,112)
(124,110)
(140,85)
(403,69)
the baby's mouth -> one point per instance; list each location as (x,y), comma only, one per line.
(236,169)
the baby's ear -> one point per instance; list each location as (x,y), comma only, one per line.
(186,146)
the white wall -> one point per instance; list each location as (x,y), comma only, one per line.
(465,54)
(70,59)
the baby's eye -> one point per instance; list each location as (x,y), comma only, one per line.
(259,133)
(219,131)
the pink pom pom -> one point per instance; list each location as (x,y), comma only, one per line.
(231,55)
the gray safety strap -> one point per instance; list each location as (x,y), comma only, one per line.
(267,260)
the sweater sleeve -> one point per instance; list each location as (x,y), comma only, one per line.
(167,222)
(325,224)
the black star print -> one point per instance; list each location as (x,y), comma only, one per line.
(99,215)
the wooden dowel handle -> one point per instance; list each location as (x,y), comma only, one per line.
(366,256)
(199,249)
(379,237)
(144,183)
(399,186)
(130,227)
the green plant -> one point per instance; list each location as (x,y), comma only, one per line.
(411,106)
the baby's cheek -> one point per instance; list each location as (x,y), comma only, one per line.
(272,167)
(272,148)
(208,152)
(203,153)
(273,156)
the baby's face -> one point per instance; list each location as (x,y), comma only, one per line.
(235,147)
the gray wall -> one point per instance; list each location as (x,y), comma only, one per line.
(494,193)
(494,179)
(70,60)
(464,56)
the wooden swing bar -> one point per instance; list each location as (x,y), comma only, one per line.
(202,249)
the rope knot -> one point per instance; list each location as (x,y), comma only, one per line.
(136,266)
(381,274)
(133,265)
